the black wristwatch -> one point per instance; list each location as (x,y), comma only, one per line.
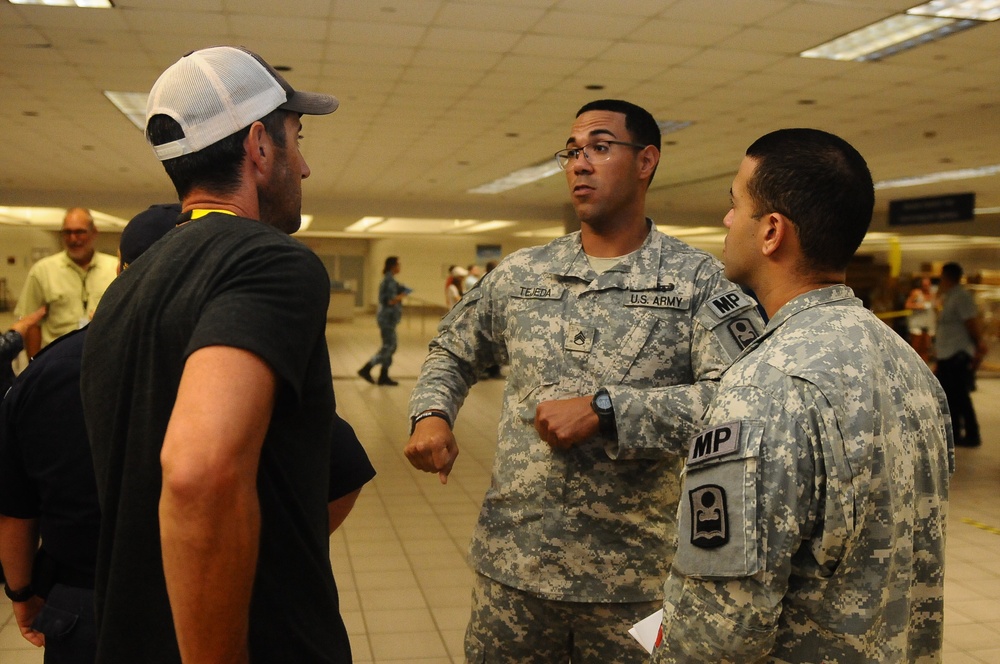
(22,595)
(605,413)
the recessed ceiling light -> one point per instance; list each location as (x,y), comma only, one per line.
(87,4)
(131,104)
(670,126)
(888,37)
(412,226)
(519,178)
(943,176)
(979,10)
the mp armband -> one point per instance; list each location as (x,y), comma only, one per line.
(424,415)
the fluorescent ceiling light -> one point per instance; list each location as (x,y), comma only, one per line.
(887,37)
(979,10)
(51,218)
(670,126)
(490,226)
(944,176)
(987,210)
(412,226)
(87,4)
(363,224)
(518,178)
(688,231)
(306,221)
(131,104)
(550,232)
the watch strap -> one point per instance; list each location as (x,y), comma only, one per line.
(428,413)
(22,595)
(605,416)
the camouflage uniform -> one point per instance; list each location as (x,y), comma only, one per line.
(594,523)
(812,517)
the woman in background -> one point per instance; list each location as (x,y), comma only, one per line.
(390,310)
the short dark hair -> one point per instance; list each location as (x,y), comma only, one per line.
(217,167)
(822,184)
(953,271)
(390,262)
(639,122)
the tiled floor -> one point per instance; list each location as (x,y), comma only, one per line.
(400,557)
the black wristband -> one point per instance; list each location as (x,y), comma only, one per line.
(424,415)
(22,595)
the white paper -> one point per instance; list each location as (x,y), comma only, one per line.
(646,630)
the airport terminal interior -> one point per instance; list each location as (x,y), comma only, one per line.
(399,559)
(441,154)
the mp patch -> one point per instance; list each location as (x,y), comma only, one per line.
(720,441)
(742,331)
(709,516)
(729,303)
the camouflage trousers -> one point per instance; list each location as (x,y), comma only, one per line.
(511,626)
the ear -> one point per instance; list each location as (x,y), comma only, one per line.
(649,157)
(778,230)
(258,148)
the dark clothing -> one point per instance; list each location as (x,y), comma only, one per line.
(67,621)
(45,466)
(956,375)
(46,474)
(230,281)
(955,347)
(350,468)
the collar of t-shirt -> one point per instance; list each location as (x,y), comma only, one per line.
(191,215)
(602,265)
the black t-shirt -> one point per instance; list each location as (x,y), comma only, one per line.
(45,467)
(218,280)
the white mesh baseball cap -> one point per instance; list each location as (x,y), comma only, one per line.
(214,92)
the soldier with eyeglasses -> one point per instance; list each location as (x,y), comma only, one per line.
(69,284)
(615,336)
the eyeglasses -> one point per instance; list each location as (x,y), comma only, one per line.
(595,152)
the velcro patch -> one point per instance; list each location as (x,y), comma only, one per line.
(743,331)
(709,516)
(720,441)
(730,302)
(656,300)
(579,338)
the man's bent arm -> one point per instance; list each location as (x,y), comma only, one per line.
(18,545)
(209,509)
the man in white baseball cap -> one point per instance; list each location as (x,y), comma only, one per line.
(207,387)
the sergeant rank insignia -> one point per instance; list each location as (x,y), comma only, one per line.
(709,520)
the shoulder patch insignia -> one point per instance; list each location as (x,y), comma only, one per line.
(729,303)
(714,443)
(709,519)
(742,331)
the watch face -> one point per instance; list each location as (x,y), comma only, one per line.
(603,401)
